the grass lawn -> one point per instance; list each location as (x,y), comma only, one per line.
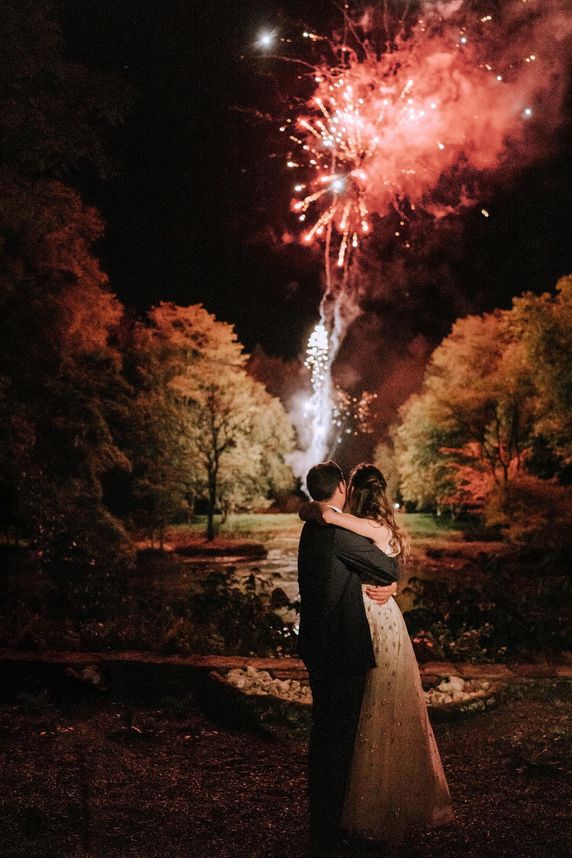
(260,526)
(269,525)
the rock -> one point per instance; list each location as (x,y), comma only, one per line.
(452,683)
(91,674)
(253,681)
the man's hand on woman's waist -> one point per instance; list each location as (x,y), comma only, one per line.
(380,594)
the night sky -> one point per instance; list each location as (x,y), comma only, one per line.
(200,203)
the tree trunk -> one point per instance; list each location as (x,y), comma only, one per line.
(212,505)
(210,524)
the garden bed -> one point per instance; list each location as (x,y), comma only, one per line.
(462,601)
(274,704)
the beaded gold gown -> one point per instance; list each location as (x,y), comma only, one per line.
(396,781)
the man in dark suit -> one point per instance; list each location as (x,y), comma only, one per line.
(335,643)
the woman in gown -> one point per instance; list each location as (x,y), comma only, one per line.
(396,783)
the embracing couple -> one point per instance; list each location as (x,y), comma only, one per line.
(374,768)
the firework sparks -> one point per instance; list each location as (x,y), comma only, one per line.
(380,131)
(329,408)
(318,410)
(385,129)
(351,414)
(317,354)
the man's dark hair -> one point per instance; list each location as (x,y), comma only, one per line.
(323,480)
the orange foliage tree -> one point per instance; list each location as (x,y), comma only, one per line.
(61,369)
(472,424)
(62,396)
(543,324)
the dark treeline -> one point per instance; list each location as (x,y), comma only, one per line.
(109,426)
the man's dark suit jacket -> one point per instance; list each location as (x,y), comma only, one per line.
(332,564)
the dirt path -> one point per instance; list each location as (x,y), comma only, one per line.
(106,782)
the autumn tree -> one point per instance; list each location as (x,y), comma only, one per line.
(62,385)
(233,436)
(253,470)
(281,377)
(424,476)
(63,397)
(496,397)
(472,423)
(385,459)
(543,323)
(162,483)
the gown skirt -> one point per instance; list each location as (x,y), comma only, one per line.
(396,783)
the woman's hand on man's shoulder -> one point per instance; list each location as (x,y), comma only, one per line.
(318,511)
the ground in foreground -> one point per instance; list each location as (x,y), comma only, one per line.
(101,779)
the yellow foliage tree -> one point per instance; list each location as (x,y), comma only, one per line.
(236,434)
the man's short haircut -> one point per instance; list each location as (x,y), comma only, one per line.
(323,480)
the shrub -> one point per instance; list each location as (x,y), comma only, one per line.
(511,617)
(533,511)
(232,617)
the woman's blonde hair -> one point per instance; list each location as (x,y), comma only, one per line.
(367,498)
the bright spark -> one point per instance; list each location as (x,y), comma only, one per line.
(266,39)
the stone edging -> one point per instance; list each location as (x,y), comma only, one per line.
(286,667)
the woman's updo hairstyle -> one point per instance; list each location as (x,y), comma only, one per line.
(367,498)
